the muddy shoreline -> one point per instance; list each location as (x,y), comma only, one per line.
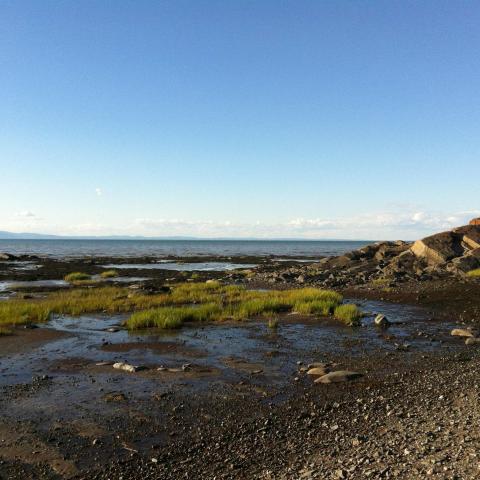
(234,402)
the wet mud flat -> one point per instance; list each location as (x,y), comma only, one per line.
(234,401)
(218,401)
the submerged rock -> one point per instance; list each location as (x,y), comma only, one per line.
(381,321)
(338,376)
(461,332)
(319,371)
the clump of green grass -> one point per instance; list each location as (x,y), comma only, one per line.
(474,273)
(77,277)
(316,307)
(5,331)
(310,295)
(22,312)
(109,274)
(380,282)
(205,301)
(273,323)
(258,306)
(171,317)
(349,314)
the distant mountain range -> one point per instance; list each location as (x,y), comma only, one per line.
(42,236)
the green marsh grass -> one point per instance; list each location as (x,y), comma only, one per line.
(109,274)
(474,273)
(348,314)
(273,323)
(172,317)
(316,307)
(186,302)
(77,277)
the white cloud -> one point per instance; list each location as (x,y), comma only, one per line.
(25,214)
(99,192)
(396,223)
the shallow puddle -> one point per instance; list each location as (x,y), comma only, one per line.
(215,345)
(13,285)
(183,267)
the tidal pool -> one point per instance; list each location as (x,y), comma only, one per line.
(183,267)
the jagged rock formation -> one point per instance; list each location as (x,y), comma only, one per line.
(445,254)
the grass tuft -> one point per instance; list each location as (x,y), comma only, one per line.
(316,307)
(273,323)
(77,277)
(109,274)
(349,314)
(474,273)
(171,317)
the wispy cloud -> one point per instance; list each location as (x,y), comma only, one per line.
(99,192)
(392,224)
(25,214)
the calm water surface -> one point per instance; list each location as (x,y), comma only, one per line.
(181,248)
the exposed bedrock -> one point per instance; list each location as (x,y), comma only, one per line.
(453,253)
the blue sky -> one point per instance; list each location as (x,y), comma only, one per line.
(315,119)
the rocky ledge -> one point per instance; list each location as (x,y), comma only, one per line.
(452,253)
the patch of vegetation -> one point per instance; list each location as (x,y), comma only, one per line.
(186,302)
(109,274)
(273,323)
(380,282)
(172,317)
(349,314)
(474,273)
(316,307)
(77,277)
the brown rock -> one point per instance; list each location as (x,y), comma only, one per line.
(439,248)
(338,376)
(475,221)
(461,332)
(319,371)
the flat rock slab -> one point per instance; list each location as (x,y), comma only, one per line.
(461,332)
(338,376)
(319,371)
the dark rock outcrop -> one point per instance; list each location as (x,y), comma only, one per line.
(443,255)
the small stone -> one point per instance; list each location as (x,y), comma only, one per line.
(461,332)
(381,321)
